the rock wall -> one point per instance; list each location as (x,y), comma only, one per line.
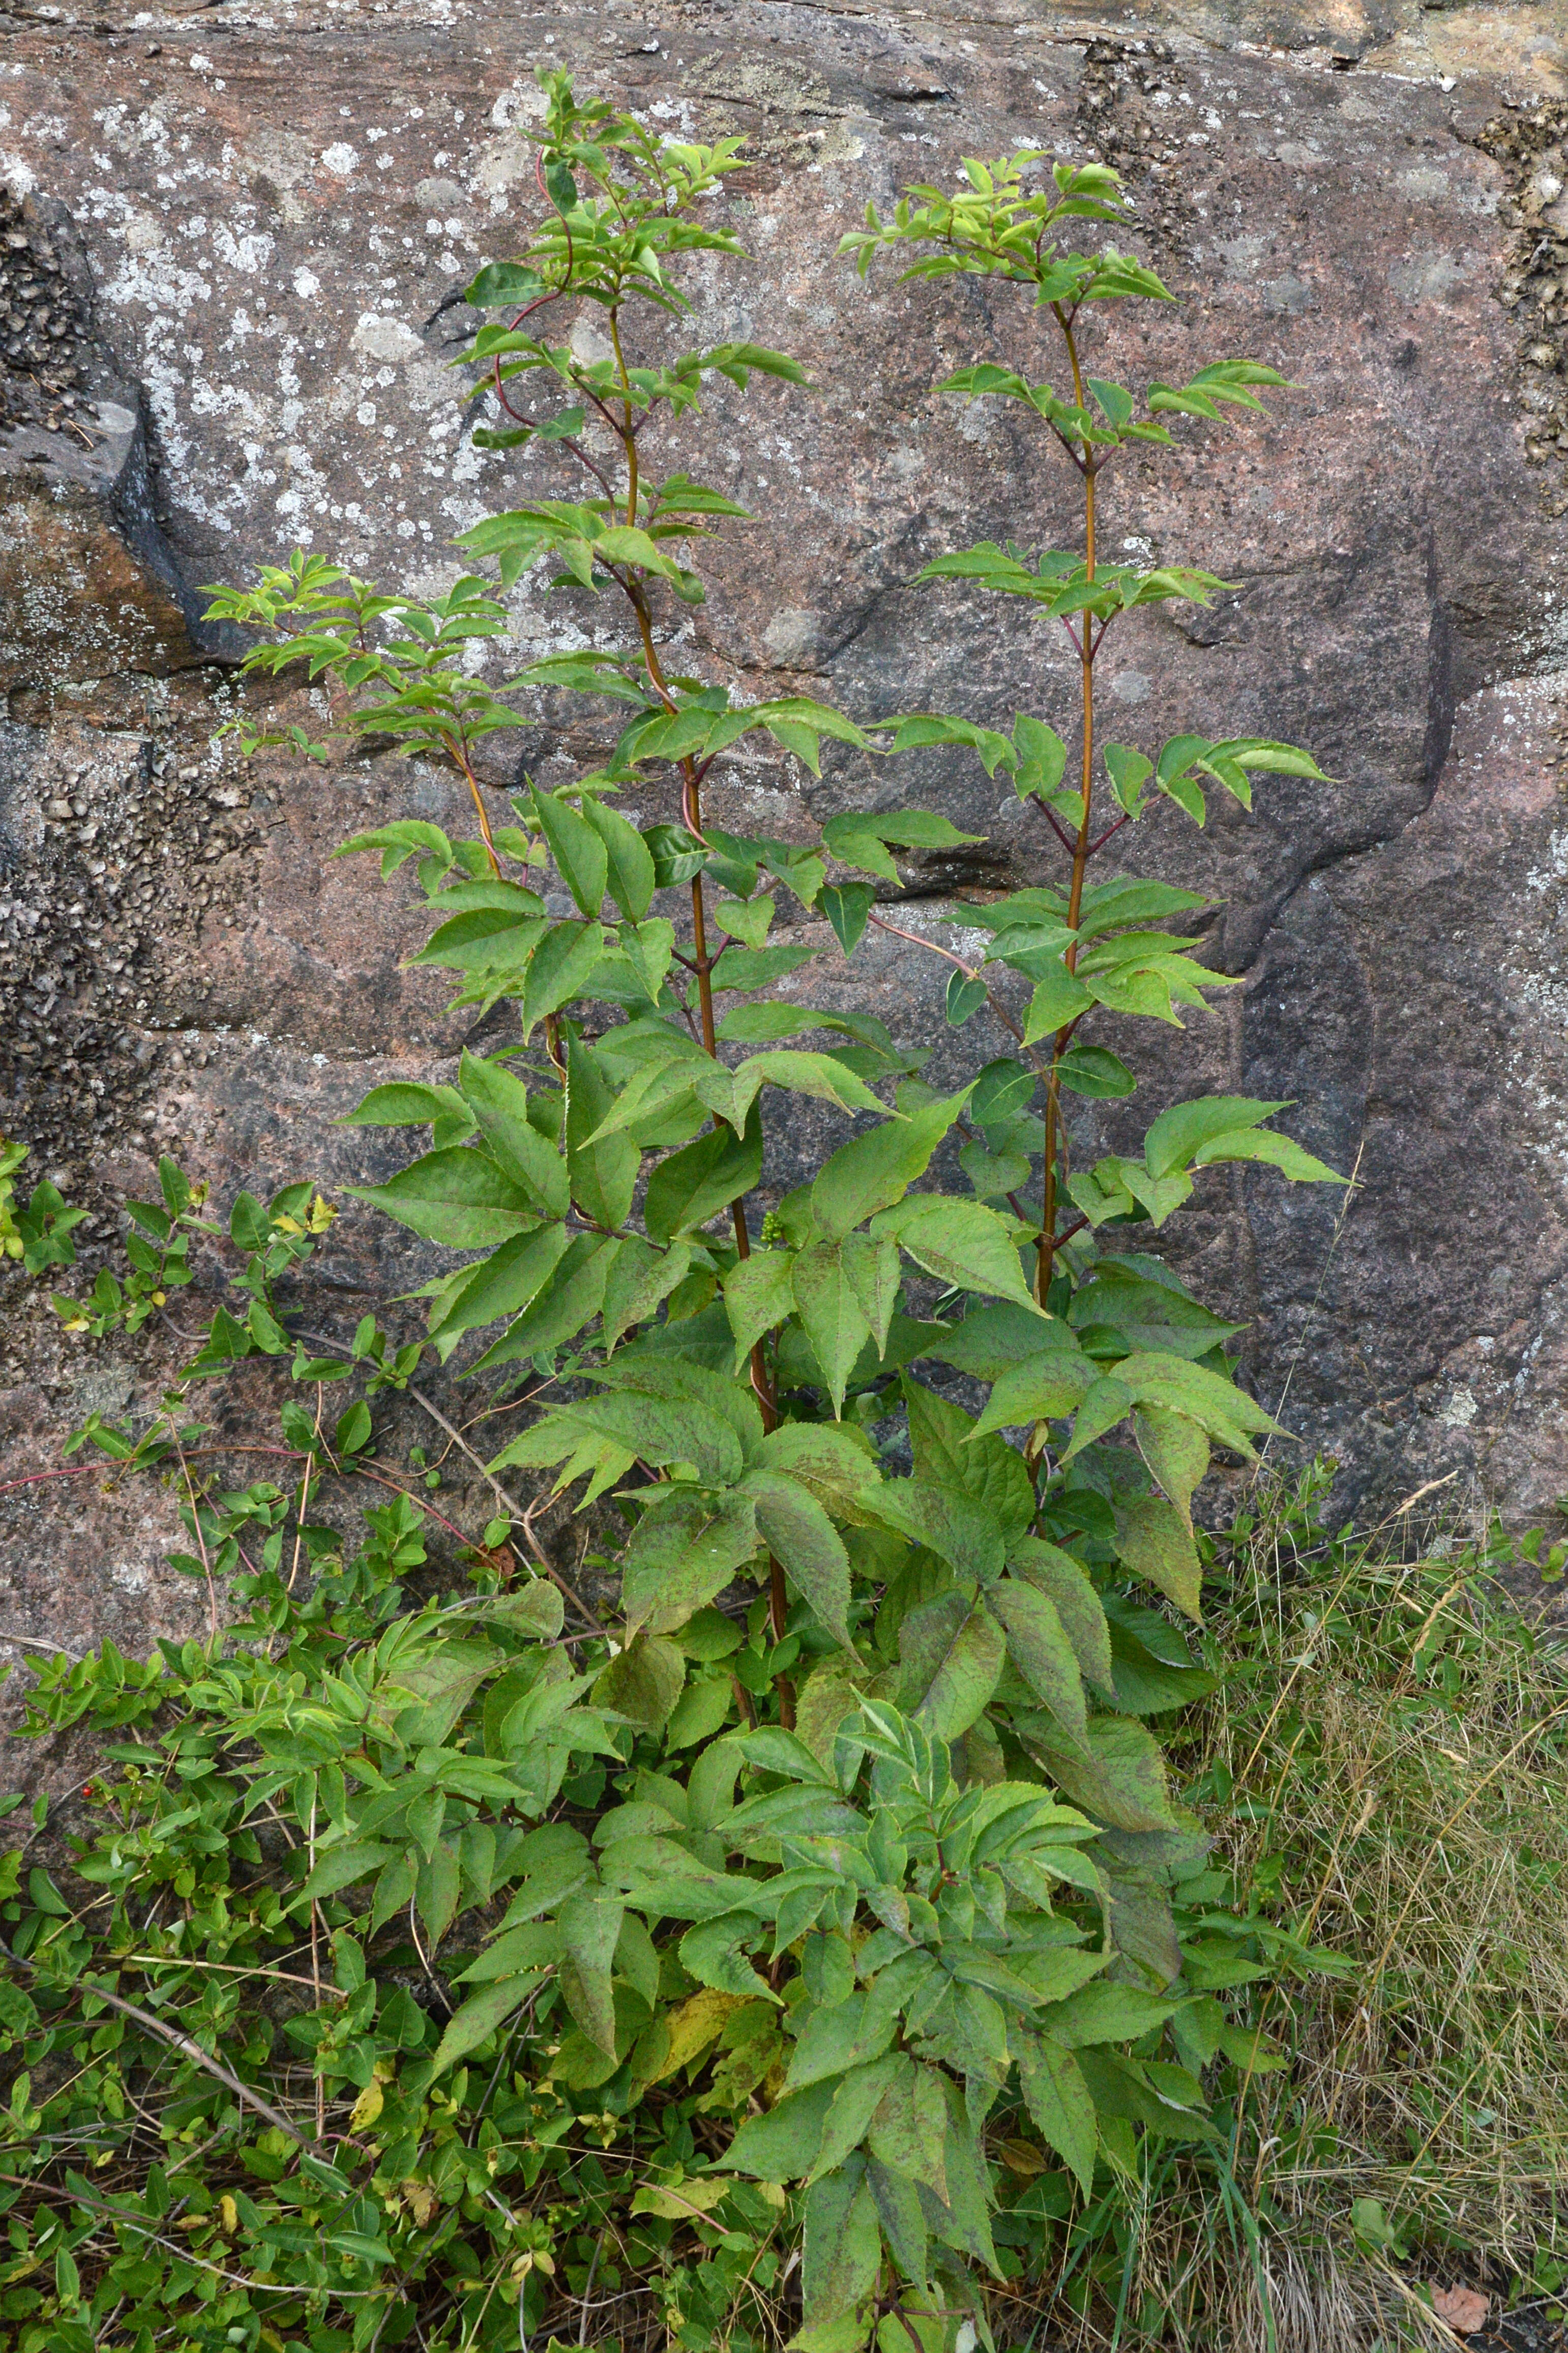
(225,244)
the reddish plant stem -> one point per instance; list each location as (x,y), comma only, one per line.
(1051,819)
(878,923)
(691,777)
(1088,645)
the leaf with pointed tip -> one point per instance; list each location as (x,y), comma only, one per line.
(477,2019)
(1178,1134)
(831,1314)
(855,2098)
(961,1242)
(834,1459)
(759,1294)
(806,1544)
(590,1925)
(639,1280)
(948,1451)
(869,1172)
(579,852)
(1044,1388)
(953,1655)
(562,1306)
(629,876)
(1176,1452)
(504,1283)
(643,1681)
(603,1172)
(1273,1151)
(459,1196)
(841,2250)
(498,1100)
(1039,1648)
(781,2144)
(1058,2100)
(1121,1780)
(1078,1606)
(405,1103)
(695,1182)
(946,1520)
(847,907)
(1155,1541)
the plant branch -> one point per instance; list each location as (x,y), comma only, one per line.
(186,2048)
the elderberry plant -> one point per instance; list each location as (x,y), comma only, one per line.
(858,1805)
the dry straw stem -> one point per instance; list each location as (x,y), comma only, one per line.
(1394,1735)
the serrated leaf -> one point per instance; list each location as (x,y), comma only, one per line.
(1177,1135)
(872,1171)
(842,2245)
(643,1681)
(1059,2101)
(782,2145)
(954,1525)
(477,2020)
(603,1172)
(1044,1388)
(683,1551)
(629,871)
(1176,1452)
(565,1304)
(1105,2013)
(1039,1647)
(498,1100)
(1155,1542)
(459,1196)
(759,1294)
(831,1316)
(694,1184)
(952,1655)
(856,2096)
(961,1242)
(806,1544)
(1078,1606)
(640,1278)
(909,2128)
(590,1925)
(714,1954)
(1121,1780)
(580,854)
(949,1450)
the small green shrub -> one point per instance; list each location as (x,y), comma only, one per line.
(481,1962)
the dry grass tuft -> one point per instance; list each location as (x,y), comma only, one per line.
(1383,1764)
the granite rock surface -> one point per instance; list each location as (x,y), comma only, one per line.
(225,243)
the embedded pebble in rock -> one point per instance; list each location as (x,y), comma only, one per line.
(229,250)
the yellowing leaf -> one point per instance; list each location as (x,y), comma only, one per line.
(422,2200)
(698,2022)
(367,2107)
(679,2201)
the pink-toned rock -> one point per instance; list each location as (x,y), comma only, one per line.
(1464,2308)
(272,210)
